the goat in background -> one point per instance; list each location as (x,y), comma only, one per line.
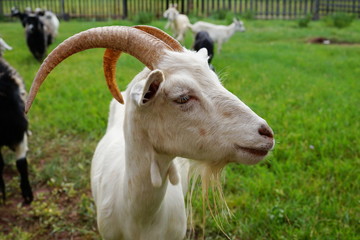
(41,28)
(13,124)
(178,23)
(218,33)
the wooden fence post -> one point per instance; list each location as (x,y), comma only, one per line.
(183,6)
(354,8)
(280,9)
(62,8)
(202,8)
(315,12)
(1,9)
(125,9)
(190,7)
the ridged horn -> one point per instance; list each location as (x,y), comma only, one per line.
(111,57)
(173,43)
(143,46)
(109,63)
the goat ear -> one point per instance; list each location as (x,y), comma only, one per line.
(203,52)
(145,90)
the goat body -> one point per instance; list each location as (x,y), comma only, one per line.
(13,121)
(140,187)
(134,169)
(51,24)
(179,23)
(218,33)
(13,125)
(176,109)
(36,38)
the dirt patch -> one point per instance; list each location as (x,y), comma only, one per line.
(52,215)
(330,41)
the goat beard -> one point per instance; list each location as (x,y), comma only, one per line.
(212,195)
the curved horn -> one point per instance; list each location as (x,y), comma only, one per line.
(111,57)
(143,46)
(174,44)
(109,63)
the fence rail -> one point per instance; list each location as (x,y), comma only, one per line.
(116,9)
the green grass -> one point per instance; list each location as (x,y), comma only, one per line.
(310,95)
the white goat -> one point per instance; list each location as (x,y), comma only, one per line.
(179,23)
(176,107)
(51,23)
(218,33)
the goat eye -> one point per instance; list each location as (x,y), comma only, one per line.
(182,99)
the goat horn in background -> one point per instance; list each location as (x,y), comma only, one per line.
(111,57)
(145,47)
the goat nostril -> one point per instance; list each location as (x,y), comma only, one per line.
(265,131)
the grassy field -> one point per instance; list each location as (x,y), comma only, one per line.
(308,188)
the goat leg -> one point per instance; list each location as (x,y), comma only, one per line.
(2,184)
(22,167)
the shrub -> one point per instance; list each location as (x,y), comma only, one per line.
(230,17)
(144,17)
(304,21)
(219,14)
(193,17)
(249,14)
(339,19)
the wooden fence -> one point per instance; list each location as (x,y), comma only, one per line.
(117,9)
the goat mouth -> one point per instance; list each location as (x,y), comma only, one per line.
(253,151)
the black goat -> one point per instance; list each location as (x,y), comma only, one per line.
(36,37)
(14,126)
(203,40)
(22,16)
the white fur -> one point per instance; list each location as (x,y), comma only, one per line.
(218,33)
(179,23)
(4,46)
(139,173)
(51,22)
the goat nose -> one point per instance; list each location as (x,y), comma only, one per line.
(266,131)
